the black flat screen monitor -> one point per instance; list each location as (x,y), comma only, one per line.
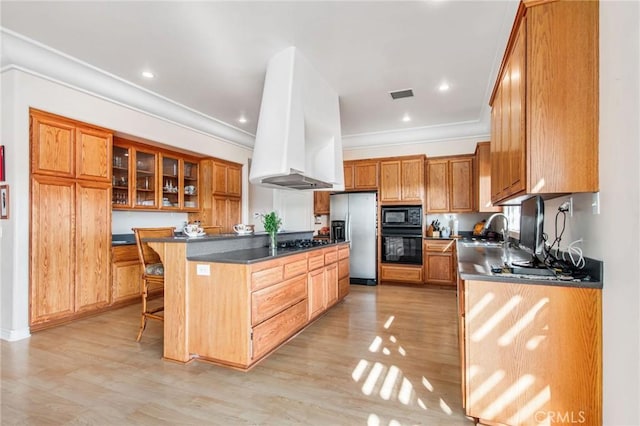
(531,227)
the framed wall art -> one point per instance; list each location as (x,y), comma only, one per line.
(4,201)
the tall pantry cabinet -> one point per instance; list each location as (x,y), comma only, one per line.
(70,258)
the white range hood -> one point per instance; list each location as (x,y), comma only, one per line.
(298,141)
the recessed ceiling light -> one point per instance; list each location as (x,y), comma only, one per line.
(148,74)
(242,119)
(406,118)
(443,87)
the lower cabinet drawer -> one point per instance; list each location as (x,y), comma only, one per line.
(269,301)
(405,274)
(266,277)
(276,330)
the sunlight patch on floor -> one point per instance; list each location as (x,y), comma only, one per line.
(375,345)
(389,322)
(445,408)
(372,378)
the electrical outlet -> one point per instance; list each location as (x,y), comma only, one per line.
(203,269)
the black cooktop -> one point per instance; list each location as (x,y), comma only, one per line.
(302,243)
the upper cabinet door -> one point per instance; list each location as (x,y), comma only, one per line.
(365,175)
(170,181)
(462,188)
(52,145)
(234,181)
(390,181)
(145,166)
(348,175)
(413,179)
(93,161)
(66,148)
(191,186)
(438,186)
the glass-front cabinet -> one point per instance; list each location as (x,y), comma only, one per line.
(190,185)
(121,196)
(170,182)
(146,178)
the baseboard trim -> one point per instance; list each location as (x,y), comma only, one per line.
(14,335)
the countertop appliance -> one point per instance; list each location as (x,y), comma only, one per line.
(359,213)
(402,216)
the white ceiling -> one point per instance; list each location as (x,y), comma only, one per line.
(212,56)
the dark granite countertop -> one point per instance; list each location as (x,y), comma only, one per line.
(475,263)
(254,255)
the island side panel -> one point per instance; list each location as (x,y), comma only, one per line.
(173,258)
(220,313)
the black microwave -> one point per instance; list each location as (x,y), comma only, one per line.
(399,216)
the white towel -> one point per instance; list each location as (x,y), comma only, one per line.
(394,248)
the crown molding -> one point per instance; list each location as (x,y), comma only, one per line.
(442,132)
(22,53)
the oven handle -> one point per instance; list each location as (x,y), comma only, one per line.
(386,234)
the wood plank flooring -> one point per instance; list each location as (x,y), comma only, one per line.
(387,355)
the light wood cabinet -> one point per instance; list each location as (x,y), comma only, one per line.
(348,175)
(322,280)
(149,178)
(408,274)
(221,184)
(402,180)
(544,136)
(361,175)
(66,148)
(321,202)
(92,245)
(53,253)
(483,178)
(226,213)
(316,292)
(439,264)
(546,346)
(70,229)
(343,271)
(238,314)
(227,178)
(450,185)
(126,273)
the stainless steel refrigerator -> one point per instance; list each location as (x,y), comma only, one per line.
(359,213)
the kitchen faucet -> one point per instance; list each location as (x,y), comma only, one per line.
(505,231)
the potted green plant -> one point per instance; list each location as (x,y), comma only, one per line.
(271,223)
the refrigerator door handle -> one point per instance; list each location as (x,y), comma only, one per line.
(347,233)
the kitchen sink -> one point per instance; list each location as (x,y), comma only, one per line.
(480,243)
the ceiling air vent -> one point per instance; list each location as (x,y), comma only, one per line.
(399,94)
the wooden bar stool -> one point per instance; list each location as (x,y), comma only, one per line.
(152,272)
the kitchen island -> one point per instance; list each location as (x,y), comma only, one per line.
(530,346)
(235,307)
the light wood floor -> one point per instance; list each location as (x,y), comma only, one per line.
(387,355)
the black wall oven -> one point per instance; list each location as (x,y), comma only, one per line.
(401,248)
(402,234)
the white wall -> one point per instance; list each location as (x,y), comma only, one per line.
(613,236)
(20,91)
